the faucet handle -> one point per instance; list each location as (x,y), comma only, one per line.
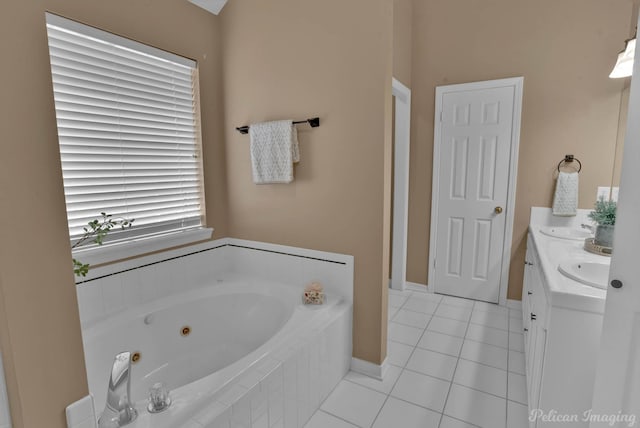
(587,226)
(159,398)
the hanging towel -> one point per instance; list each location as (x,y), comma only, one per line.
(565,201)
(274,150)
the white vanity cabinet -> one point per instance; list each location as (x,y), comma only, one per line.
(561,345)
(534,310)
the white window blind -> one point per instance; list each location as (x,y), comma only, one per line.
(128,129)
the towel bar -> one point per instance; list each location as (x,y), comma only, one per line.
(314,122)
(570,159)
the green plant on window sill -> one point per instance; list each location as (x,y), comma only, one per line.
(604,213)
(94,233)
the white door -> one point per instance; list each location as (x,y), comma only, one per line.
(475,146)
(617,386)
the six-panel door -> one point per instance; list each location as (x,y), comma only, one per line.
(475,141)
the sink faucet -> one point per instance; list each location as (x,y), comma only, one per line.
(118,410)
(587,226)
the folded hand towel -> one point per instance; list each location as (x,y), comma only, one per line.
(565,201)
(274,150)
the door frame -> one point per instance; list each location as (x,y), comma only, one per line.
(401,147)
(517,84)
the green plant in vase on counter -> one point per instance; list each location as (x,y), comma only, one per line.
(604,216)
(94,233)
(605,212)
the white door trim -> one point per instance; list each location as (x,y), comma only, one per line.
(401,184)
(517,84)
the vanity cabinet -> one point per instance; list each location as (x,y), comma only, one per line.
(561,346)
(534,310)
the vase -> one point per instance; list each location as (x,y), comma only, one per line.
(604,235)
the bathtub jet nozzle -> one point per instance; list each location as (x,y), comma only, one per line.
(119,411)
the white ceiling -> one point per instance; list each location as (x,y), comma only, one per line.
(213,6)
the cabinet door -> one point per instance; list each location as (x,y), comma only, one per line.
(534,314)
(526,289)
(538,335)
(530,357)
(526,301)
(539,348)
(527,308)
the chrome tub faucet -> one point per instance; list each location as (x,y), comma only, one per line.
(119,411)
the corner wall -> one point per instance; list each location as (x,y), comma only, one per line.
(39,324)
(297,59)
(402,40)
(565,51)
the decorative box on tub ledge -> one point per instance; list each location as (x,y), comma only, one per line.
(313,294)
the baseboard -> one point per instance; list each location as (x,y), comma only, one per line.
(414,286)
(410,286)
(514,304)
(82,413)
(370,369)
(390,285)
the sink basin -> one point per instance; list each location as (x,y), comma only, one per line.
(566,233)
(589,273)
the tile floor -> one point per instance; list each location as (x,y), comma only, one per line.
(455,363)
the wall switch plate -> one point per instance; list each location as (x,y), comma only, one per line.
(614,194)
(603,193)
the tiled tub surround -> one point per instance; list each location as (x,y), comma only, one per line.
(111,289)
(295,354)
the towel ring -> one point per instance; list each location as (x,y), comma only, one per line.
(570,159)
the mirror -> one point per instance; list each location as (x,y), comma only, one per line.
(622,128)
(624,105)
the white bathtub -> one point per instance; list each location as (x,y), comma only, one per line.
(240,329)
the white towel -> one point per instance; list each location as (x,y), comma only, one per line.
(274,150)
(565,201)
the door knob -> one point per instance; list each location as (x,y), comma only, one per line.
(498,210)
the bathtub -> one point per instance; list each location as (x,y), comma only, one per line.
(223,343)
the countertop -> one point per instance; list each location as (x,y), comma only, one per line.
(560,290)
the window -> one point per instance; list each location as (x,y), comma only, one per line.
(129,132)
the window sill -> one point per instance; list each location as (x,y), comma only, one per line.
(109,253)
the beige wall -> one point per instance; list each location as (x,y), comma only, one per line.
(565,51)
(296,59)
(291,58)
(402,40)
(39,326)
